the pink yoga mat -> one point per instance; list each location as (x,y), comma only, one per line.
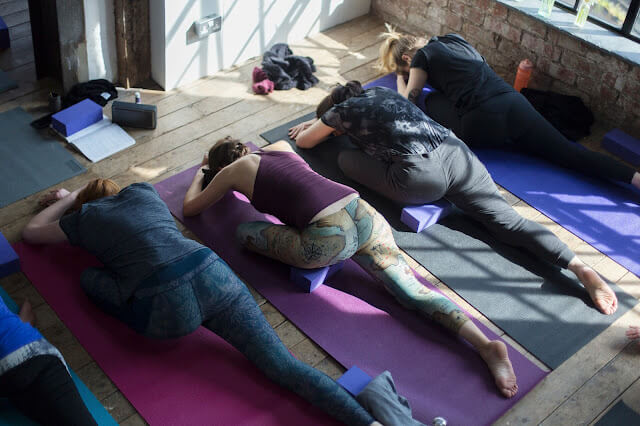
(195,380)
(358,323)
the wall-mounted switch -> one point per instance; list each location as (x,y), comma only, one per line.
(208,25)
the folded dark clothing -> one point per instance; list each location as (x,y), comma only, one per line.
(381,399)
(287,70)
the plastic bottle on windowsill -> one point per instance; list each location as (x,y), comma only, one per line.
(583,12)
(523,75)
(545,8)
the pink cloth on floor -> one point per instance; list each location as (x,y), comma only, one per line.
(263,88)
(258,75)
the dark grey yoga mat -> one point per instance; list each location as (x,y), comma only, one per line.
(620,414)
(29,162)
(6,83)
(544,309)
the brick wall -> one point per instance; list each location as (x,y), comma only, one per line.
(609,85)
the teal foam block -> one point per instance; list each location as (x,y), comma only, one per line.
(10,416)
(354,380)
(9,262)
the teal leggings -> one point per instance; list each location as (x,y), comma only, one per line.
(359,232)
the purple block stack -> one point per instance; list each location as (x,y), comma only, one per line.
(624,146)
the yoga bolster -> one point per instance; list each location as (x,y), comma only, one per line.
(354,380)
(624,146)
(310,279)
(420,217)
(9,262)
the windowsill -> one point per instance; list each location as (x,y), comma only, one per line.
(600,37)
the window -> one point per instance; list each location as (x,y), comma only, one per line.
(620,16)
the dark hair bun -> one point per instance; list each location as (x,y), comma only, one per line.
(349,90)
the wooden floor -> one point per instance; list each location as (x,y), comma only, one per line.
(194,116)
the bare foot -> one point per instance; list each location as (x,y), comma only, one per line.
(497,358)
(603,297)
(633,332)
(26,313)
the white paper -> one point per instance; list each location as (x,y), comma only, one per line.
(100,140)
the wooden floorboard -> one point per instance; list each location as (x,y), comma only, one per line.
(195,115)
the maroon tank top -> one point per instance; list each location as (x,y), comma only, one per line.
(288,189)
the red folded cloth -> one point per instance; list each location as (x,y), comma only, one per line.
(259,75)
(263,87)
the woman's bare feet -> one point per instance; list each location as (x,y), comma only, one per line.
(603,297)
(26,313)
(496,356)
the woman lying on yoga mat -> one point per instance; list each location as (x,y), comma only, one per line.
(409,158)
(165,286)
(480,107)
(326,223)
(33,374)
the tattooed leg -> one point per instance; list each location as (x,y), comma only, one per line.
(327,241)
(380,256)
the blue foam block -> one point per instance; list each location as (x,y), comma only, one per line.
(354,380)
(624,146)
(76,117)
(310,279)
(420,217)
(5,42)
(9,262)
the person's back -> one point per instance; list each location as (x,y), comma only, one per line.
(455,68)
(132,233)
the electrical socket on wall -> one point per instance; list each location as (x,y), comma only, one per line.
(208,25)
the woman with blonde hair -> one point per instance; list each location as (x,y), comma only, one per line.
(165,286)
(480,107)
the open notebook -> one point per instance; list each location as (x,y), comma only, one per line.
(100,140)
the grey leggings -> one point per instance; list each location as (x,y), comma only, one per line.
(452,171)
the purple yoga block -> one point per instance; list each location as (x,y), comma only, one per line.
(624,146)
(420,217)
(9,262)
(76,117)
(354,380)
(5,42)
(310,279)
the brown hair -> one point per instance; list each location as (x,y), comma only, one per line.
(394,45)
(339,94)
(97,188)
(224,152)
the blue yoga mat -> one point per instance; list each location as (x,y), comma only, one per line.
(602,213)
(12,417)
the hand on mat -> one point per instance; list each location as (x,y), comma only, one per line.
(633,332)
(295,131)
(53,196)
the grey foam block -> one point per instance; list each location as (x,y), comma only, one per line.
(30,161)
(544,309)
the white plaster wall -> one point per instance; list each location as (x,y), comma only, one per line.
(249,28)
(99,21)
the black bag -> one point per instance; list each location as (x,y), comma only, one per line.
(568,114)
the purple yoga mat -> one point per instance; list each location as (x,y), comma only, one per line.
(602,213)
(358,323)
(198,379)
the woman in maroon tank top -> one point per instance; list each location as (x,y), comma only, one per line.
(341,226)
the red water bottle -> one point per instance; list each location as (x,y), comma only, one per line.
(523,75)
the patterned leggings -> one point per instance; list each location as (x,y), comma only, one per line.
(359,232)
